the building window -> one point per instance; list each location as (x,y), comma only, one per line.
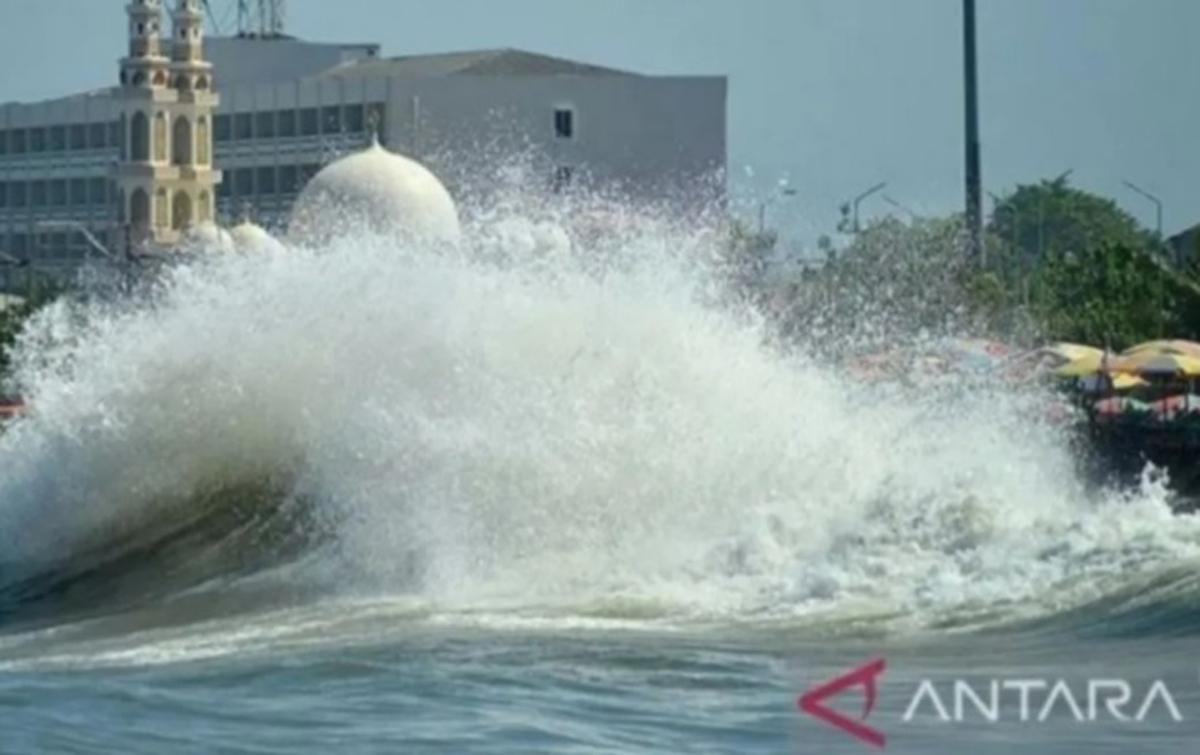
(58,138)
(181,141)
(309,122)
(221,128)
(58,192)
(562,177)
(243,182)
(181,210)
(18,141)
(17,194)
(98,191)
(78,136)
(307,171)
(3,142)
(377,120)
(355,119)
(37,193)
(331,120)
(20,244)
(266,180)
(264,124)
(243,126)
(288,179)
(116,135)
(564,123)
(79,191)
(287,123)
(98,135)
(225,189)
(37,140)
(139,137)
(3,194)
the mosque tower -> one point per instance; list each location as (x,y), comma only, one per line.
(165,180)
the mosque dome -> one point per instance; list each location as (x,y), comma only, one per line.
(377,190)
(249,237)
(208,235)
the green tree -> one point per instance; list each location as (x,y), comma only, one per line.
(1052,218)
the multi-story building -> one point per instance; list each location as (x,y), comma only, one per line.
(134,162)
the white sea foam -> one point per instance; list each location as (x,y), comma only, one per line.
(532,429)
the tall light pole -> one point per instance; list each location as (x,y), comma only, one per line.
(912,215)
(1158,239)
(974,176)
(1158,207)
(858,200)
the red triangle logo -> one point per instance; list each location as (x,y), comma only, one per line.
(865,676)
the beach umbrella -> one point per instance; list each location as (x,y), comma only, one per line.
(1120,381)
(1088,364)
(1165,346)
(1150,362)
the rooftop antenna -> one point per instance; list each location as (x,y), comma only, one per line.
(269,15)
(212,18)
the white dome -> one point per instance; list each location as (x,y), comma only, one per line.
(248,237)
(208,236)
(379,190)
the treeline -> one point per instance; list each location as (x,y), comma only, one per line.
(1060,264)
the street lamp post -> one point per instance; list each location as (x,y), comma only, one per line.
(912,215)
(1158,239)
(973,173)
(1158,207)
(858,200)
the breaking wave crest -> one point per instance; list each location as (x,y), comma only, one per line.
(530,428)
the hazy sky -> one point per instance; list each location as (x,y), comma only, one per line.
(835,95)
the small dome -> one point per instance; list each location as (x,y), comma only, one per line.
(208,236)
(249,237)
(378,190)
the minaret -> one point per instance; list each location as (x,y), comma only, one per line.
(164,179)
(192,79)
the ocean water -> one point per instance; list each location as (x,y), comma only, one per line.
(536,495)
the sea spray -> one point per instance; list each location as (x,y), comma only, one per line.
(541,425)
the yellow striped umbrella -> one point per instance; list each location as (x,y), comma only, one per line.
(1166,346)
(1088,364)
(1151,362)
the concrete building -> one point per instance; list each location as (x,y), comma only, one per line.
(276,109)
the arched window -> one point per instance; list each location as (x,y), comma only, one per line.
(139,137)
(202,83)
(160,78)
(139,78)
(181,215)
(181,82)
(123,137)
(162,209)
(202,140)
(204,207)
(139,207)
(160,137)
(181,142)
